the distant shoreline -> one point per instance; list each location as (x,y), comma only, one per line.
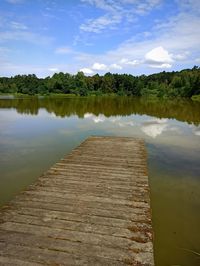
(184,84)
(59,95)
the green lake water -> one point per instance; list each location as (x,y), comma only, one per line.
(36,132)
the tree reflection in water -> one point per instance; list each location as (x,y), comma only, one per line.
(180,109)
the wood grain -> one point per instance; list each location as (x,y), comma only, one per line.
(90,208)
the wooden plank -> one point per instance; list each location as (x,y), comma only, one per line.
(91,208)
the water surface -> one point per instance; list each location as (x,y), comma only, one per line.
(37,132)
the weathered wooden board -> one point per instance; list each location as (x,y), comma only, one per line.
(91,208)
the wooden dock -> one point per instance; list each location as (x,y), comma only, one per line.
(91,208)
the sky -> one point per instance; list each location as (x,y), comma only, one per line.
(97,36)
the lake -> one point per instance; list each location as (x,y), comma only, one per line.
(36,132)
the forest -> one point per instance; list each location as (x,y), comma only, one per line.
(184,83)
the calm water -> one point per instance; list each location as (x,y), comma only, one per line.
(35,133)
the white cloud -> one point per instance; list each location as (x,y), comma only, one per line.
(98,66)
(87,71)
(130,62)
(18,26)
(160,66)
(106,5)
(125,123)
(159,58)
(116,120)
(154,128)
(186,5)
(124,6)
(63,50)
(178,37)
(181,56)
(177,40)
(116,12)
(156,58)
(96,119)
(115,66)
(99,24)
(88,115)
(197,133)
(158,55)
(103,67)
(144,7)
(180,32)
(196,130)
(99,118)
(53,69)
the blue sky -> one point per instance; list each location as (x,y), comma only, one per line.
(97,36)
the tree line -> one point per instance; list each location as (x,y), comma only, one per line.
(184,83)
